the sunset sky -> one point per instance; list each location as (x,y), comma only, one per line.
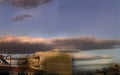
(67,23)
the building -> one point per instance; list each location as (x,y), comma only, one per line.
(54,63)
(7,69)
(25,71)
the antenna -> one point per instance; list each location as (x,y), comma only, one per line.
(58,51)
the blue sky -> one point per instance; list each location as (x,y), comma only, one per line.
(65,18)
(77,18)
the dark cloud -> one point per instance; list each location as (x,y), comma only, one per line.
(14,44)
(25,3)
(21,17)
(11,44)
(66,50)
(86,43)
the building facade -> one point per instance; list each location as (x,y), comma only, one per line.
(54,63)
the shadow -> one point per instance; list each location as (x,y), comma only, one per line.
(4,73)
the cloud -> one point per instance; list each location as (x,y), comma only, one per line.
(21,17)
(66,50)
(13,44)
(25,3)
(86,43)
(85,57)
(23,44)
(88,65)
(91,66)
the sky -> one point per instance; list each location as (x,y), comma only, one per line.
(63,22)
